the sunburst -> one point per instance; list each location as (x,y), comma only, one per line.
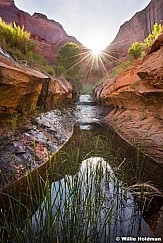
(97,58)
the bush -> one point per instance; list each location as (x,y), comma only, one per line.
(16,41)
(68,63)
(138,49)
(12,36)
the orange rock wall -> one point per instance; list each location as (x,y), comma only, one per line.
(23,88)
(137,98)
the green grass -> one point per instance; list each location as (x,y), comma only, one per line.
(67,201)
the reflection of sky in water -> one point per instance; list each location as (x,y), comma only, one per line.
(85,98)
(85,127)
(125,217)
(86,113)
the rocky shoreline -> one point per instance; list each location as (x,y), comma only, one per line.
(31,145)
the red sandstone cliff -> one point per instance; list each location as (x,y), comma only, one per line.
(48,35)
(136,29)
(137,95)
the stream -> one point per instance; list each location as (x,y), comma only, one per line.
(91,197)
(100,150)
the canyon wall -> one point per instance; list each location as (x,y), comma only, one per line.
(137,99)
(136,29)
(48,35)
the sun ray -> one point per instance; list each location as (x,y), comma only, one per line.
(100,58)
(96,59)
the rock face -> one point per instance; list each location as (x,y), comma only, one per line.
(136,29)
(48,35)
(20,87)
(53,92)
(23,88)
(137,95)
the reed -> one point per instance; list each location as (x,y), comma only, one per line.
(72,202)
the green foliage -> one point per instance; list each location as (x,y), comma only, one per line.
(138,49)
(157,29)
(120,68)
(87,88)
(68,62)
(16,41)
(14,36)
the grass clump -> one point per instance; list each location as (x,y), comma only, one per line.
(120,68)
(85,204)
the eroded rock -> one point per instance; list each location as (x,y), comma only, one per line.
(54,91)
(20,87)
(137,95)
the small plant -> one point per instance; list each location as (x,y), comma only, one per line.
(129,117)
(120,68)
(14,120)
(87,88)
(143,116)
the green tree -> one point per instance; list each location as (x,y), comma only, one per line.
(68,62)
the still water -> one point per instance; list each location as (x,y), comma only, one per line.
(91,202)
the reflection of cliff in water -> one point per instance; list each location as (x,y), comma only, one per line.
(92,140)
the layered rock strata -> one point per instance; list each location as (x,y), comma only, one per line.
(20,86)
(137,95)
(23,88)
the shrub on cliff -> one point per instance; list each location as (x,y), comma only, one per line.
(138,48)
(68,63)
(12,36)
(16,41)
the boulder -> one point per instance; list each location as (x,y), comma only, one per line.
(54,91)
(20,86)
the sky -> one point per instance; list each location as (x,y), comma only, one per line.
(94,23)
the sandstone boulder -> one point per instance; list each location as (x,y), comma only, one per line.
(20,86)
(54,91)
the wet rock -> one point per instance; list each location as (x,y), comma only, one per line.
(19,149)
(30,148)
